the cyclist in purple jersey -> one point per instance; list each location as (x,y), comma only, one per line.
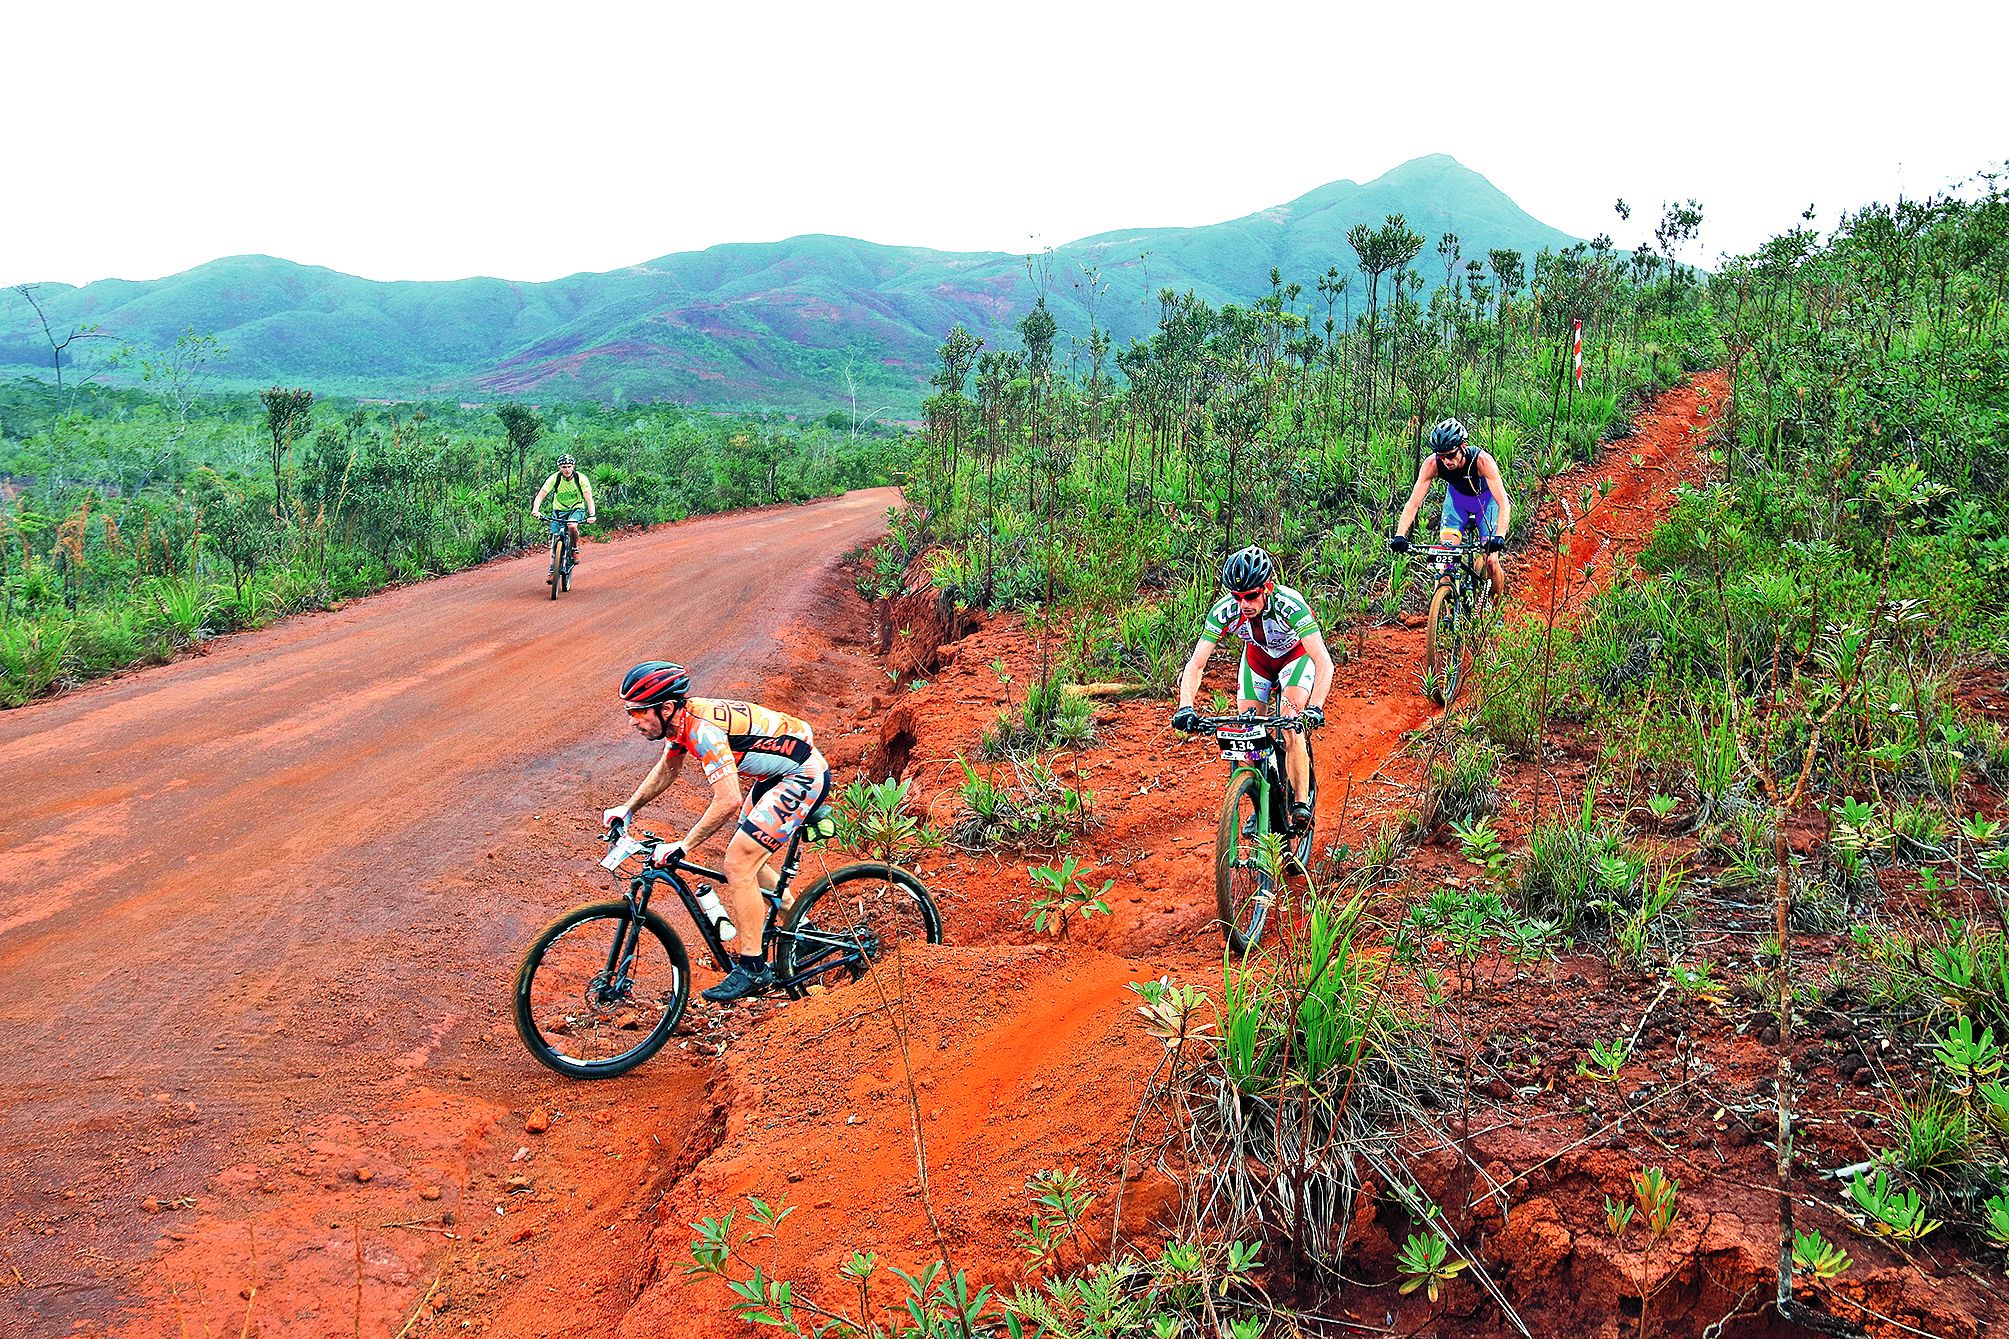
(1475,498)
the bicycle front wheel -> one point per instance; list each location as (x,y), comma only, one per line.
(557,562)
(1446,653)
(850,919)
(1242,889)
(597,994)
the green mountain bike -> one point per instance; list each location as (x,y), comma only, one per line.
(1257,803)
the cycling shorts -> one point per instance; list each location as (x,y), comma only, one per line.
(1260,673)
(1464,511)
(777,805)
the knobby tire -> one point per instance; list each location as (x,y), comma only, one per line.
(1242,892)
(1447,653)
(822,927)
(555,1016)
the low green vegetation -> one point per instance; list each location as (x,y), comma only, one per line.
(135,523)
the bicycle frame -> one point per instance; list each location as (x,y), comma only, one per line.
(1264,758)
(641,884)
(1456,564)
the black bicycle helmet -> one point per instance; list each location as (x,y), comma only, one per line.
(655,683)
(1447,436)
(1247,570)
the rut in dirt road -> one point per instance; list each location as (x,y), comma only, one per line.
(262,889)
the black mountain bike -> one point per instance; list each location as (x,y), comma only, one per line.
(1455,609)
(563,553)
(1257,803)
(603,985)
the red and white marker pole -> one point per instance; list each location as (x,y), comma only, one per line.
(1576,348)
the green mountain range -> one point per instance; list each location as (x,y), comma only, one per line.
(797,324)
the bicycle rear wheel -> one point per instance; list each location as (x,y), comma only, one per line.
(1243,891)
(587,1010)
(1446,655)
(850,919)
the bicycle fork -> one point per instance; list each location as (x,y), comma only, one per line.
(619,974)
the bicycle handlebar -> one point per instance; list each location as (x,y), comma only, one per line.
(1254,718)
(682,864)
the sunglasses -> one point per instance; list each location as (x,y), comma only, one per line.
(1248,597)
(637,713)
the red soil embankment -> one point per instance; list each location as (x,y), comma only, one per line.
(1026,1054)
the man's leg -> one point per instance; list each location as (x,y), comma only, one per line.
(750,974)
(745,860)
(1297,748)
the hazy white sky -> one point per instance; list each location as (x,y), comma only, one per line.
(424,140)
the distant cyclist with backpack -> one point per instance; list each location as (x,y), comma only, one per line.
(1284,654)
(571,495)
(1475,498)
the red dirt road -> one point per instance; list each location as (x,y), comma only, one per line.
(258,914)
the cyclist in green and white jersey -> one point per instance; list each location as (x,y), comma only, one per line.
(571,495)
(1285,653)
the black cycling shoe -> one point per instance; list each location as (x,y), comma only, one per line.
(740,984)
(1300,814)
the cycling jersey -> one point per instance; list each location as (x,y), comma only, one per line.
(720,733)
(1466,478)
(1277,634)
(567,493)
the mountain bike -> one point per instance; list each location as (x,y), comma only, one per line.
(1454,624)
(564,552)
(601,987)
(1257,803)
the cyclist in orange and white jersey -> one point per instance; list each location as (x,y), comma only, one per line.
(785,778)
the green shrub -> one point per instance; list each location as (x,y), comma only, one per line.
(352,572)
(1050,717)
(109,637)
(1580,866)
(31,658)
(182,608)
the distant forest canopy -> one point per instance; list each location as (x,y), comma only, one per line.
(805,324)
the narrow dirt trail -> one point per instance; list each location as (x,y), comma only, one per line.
(1025,1054)
(259,908)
